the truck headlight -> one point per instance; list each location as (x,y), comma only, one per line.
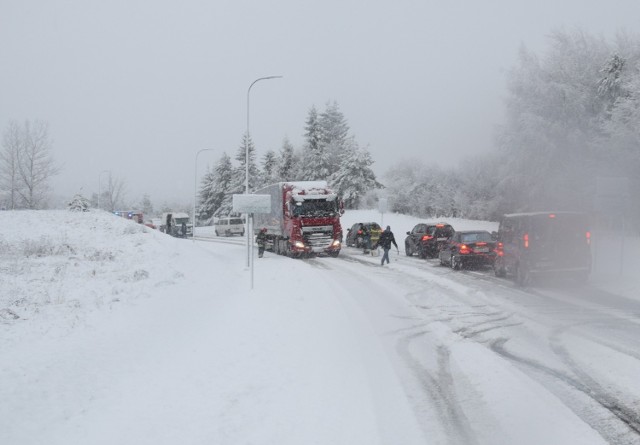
(299,244)
(335,243)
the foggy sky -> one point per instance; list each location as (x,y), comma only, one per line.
(138,87)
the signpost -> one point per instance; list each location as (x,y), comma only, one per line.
(382,207)
(250,204)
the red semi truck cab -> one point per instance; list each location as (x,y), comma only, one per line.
(304,219)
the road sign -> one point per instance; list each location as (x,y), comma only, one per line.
(252,203)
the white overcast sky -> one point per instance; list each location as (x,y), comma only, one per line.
(138,87)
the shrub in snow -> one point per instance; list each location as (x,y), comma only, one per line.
(79,204)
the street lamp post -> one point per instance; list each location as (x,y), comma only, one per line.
(246,161)
(100,185)
(195,191)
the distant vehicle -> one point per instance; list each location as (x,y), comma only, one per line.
(468,248)
(173,224)
(134,215)
(354,234)
(543,243)
(426,239)
(228,226)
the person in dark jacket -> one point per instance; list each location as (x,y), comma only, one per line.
(261,239)
(386,239)
(366,239)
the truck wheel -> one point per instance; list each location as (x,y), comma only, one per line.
(499,269)
(522,275)
(335,253)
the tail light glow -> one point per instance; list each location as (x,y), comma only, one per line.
(426,237)
(464,249)
(588,235)
(499,249)
(525,238)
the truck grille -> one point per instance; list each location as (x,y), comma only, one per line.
(318,237)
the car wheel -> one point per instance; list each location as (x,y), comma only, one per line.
(500,272)
(407,250)
(216,232)
(456,264)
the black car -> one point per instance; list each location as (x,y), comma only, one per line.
(426,239)
(531,245)
(354,234)
(469,248)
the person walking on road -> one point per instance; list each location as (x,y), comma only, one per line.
(386,239)
(261,239)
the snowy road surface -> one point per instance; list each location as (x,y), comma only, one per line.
(116,334)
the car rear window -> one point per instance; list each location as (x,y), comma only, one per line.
(558,227)
(475,237)
(235,221)
(443,232)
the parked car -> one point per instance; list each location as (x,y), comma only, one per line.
(468,248)
(426,239)
(354,234)
(543,243)
(228,226)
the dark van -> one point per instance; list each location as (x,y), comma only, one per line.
(543,243)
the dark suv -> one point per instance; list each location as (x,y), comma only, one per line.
(543,243)
(426,239)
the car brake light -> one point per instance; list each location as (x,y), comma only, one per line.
(499,248)
(525,238)
(464,248)
(481,244)
(552,215)
(359,232)
(439,225)
(426,237)
(588,234)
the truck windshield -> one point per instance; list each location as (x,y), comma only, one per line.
(315,207)
(182,220)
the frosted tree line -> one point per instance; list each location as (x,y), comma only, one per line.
(26,165)
(573,115)
(329,153)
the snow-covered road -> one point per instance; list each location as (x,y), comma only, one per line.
(119,334)
(578,343)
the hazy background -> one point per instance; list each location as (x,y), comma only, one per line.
(138,87)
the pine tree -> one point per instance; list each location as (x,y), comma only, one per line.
(269,168)
(286,165)
(216,194)
(354,178)
(240,175)
(315,159)
(78,204)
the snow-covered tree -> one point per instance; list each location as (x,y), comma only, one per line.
(269,167)
(78,204)
(287,163)
(26,164)
(354,177)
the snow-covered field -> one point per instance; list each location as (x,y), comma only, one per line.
(111,332)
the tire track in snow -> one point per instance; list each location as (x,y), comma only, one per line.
(629,418)
(439,389)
